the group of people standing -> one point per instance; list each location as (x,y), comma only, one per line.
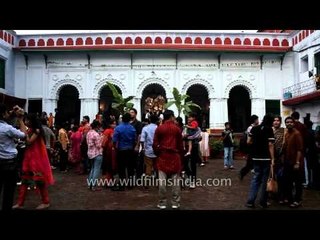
(34,170)
(288,154)
(129,151)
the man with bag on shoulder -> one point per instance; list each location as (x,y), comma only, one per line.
(262,139)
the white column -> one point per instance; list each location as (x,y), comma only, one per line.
(137,105)
(258,107)
(218,112)
(49,105)
(212,108)
(89,106)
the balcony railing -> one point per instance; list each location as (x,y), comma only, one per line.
(300,89)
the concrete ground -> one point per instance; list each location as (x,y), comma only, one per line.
(70,192)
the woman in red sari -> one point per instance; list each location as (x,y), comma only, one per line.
(36,170)
(109,164)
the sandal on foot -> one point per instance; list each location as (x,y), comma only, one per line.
(43,206)
(295,204)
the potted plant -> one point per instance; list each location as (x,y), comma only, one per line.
(216,148)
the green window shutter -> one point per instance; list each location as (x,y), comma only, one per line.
(273,106)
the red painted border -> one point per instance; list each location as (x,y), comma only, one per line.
(302,99)
(166,46)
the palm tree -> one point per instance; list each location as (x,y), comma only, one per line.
(180,102)
(120,103)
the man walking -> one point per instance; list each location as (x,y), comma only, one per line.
(254,121)
(167,145)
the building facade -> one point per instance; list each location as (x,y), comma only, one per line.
(231,76)
(303,94)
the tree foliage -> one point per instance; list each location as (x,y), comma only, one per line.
(180,102)
(120,103)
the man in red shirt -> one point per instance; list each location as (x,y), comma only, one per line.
(293,164)
(167,146)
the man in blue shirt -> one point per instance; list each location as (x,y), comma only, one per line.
(124,138)
(8,155)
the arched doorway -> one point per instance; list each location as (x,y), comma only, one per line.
(239,108)
(69,104)
(105,103)
(198,94)
(153,99)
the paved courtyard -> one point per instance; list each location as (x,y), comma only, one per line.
(70,192)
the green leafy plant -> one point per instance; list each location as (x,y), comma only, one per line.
(180,102)
(120,103)
(216,145)
(236,144)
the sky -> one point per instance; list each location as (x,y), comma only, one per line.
(22,32)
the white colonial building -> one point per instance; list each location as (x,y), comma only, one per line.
(303,93)
(230,75)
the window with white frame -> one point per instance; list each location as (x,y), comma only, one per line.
(304,64)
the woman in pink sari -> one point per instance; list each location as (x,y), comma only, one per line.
(75,140)
(36,170)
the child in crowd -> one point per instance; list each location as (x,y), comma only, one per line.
(190,130)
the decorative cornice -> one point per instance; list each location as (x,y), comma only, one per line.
(7,37)
(266,42)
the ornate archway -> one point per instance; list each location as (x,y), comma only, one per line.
(199,81)
(245,84)
(69,104)
(105,104)
(153,99)
(199,95)
(239,108)
(158,81)
(55,90)
(106,97)
(101,84)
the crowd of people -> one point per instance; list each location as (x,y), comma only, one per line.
(33,145)
(160,146)
(287,154)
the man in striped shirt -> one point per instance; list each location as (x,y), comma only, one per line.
(94,153)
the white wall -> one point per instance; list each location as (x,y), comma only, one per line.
(7,54)
(105,59)
(193,68)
